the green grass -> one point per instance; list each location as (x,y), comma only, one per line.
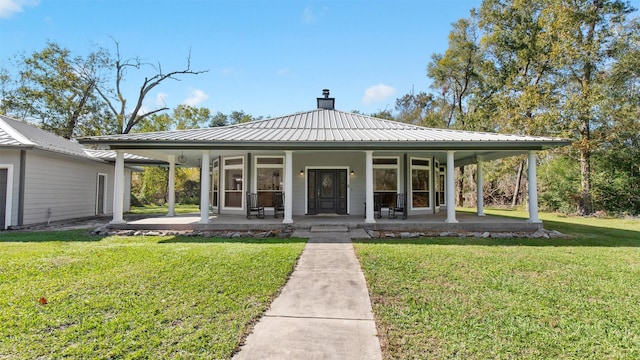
(575,298)
(134,297)
(162,209)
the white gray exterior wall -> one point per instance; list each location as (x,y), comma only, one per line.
(349,160)
(58,187)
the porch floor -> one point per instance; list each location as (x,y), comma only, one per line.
(420,223)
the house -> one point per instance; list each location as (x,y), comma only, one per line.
(325,161)
(46,178)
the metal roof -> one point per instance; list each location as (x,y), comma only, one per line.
(18,134)
(326,128)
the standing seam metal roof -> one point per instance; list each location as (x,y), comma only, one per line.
(320,125)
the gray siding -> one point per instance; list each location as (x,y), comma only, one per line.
(60,188)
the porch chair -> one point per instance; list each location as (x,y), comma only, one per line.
(254,207)
(278,203)
(377,206)
(399,206)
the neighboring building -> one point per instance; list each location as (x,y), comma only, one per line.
(326,162)
(46,178)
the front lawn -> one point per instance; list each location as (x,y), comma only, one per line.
(163,209)
(134,297)
(468,298)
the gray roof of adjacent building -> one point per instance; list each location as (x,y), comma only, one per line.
(21,135)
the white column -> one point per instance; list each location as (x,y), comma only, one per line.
(480,185)
(288,187)
(369,219)
(533,188)
(451,187)
(118,189)
(205,184)
(172,186)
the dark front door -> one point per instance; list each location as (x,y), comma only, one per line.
(327,191)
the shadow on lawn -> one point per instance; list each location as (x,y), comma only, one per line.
(578,235)
(49,236)
(217,240)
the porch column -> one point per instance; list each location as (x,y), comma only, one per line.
(118,189)
(205,184)
(288,187)
(479,186)
(451,201)
(533,188)
(369,219)
(172,186)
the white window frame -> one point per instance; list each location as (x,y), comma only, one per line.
(223,183)
(215,167)
(428,168)
(256,166)
(443,185)
(388,166)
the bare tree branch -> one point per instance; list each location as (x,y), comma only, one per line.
(126,121)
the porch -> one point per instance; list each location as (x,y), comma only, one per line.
(432,223)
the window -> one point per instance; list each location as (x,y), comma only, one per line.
(420,183)
(385,179)
(441,185)
(215,178)
(233,182)
(269,178)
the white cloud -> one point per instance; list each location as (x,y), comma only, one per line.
(309,16)
(195,98)
(228,71)
(283,72)
(377,93)
(10,7)
(160,98)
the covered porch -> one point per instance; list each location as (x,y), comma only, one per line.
(428,224)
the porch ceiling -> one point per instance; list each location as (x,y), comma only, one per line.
(194,157)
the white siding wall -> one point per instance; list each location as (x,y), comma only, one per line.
(60,188)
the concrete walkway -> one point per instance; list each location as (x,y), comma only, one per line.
(323,312)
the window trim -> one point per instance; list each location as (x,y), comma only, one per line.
(257,166)
(223,182)
(428,168)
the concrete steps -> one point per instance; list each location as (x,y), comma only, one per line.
(329,228)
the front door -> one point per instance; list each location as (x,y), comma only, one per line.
(327,191)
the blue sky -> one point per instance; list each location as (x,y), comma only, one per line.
(267,58)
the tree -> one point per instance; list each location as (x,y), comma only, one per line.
(56,90)
(456,72)
(190,117)
(219,119)
(127,118)
(586,31)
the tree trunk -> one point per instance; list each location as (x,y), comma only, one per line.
(585,204)
(516,190)
(460,187)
